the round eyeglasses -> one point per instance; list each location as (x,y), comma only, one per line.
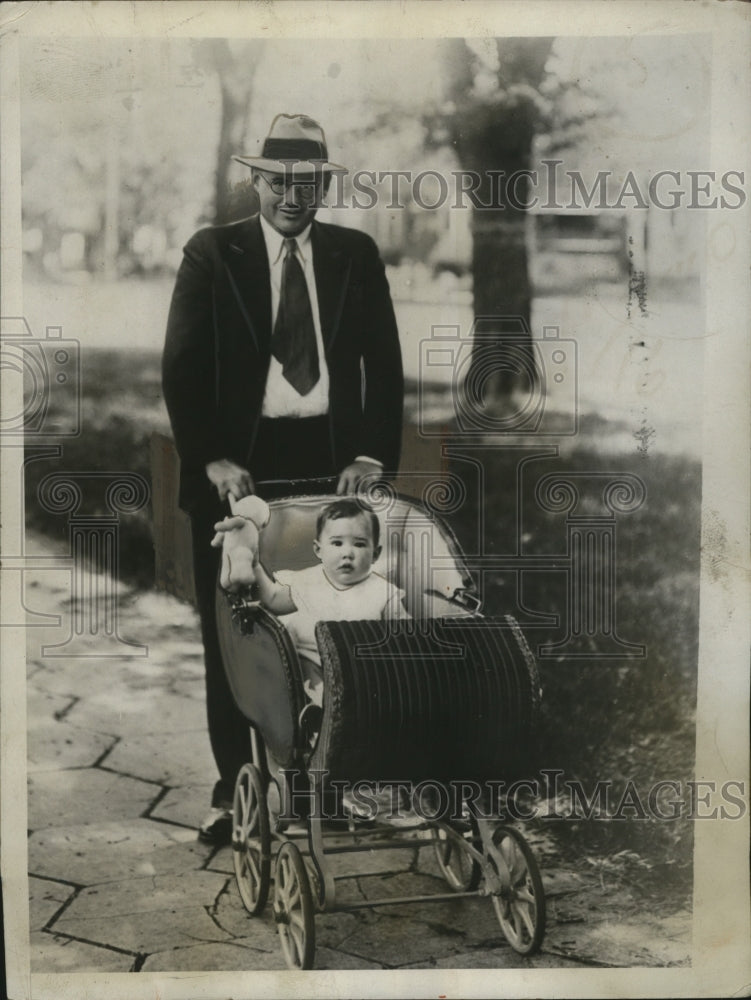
(305,190)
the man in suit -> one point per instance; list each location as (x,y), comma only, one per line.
(281,362)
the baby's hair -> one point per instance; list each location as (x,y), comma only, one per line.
(349,507)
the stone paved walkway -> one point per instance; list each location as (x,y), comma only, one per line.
(120,773)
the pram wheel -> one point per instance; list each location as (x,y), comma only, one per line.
(520,905)
(293,908)
(459,869)
(251,839)
(450,695)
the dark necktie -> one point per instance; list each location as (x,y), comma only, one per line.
(293,343)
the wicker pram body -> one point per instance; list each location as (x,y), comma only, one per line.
(448,695)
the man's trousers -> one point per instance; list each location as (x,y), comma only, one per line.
(286,449)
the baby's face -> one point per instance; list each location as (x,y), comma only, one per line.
(346,549)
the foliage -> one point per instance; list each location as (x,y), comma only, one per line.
(618,720)
(111,442)
(235,63)
(493,101)
(492,112)
(109,135)
(614,720)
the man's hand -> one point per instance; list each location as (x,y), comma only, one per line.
(230,478)
(351,478)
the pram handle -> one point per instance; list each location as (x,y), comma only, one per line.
(300,483)
(290,487)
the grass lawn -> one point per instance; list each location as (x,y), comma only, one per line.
(611,720)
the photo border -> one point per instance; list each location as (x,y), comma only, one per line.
(721,955)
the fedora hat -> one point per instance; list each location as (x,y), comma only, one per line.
(295,143)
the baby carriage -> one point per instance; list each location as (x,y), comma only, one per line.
(445,700)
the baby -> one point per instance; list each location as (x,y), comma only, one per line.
(341,587)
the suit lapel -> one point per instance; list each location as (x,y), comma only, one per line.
(248,269)
(247,266)
(331,267)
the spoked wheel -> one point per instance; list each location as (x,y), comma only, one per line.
(293,908)
(458,867)
(520,905)
(251,839)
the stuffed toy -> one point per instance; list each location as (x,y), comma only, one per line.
(238,537)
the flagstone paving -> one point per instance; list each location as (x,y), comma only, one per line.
(120,773)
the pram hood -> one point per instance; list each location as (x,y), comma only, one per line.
(448,690)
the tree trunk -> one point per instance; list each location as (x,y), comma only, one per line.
(236,71)
(493,139)
(496,146)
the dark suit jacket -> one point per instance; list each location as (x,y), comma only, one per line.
(217,350)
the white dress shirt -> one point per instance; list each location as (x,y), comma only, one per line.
(281,399)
